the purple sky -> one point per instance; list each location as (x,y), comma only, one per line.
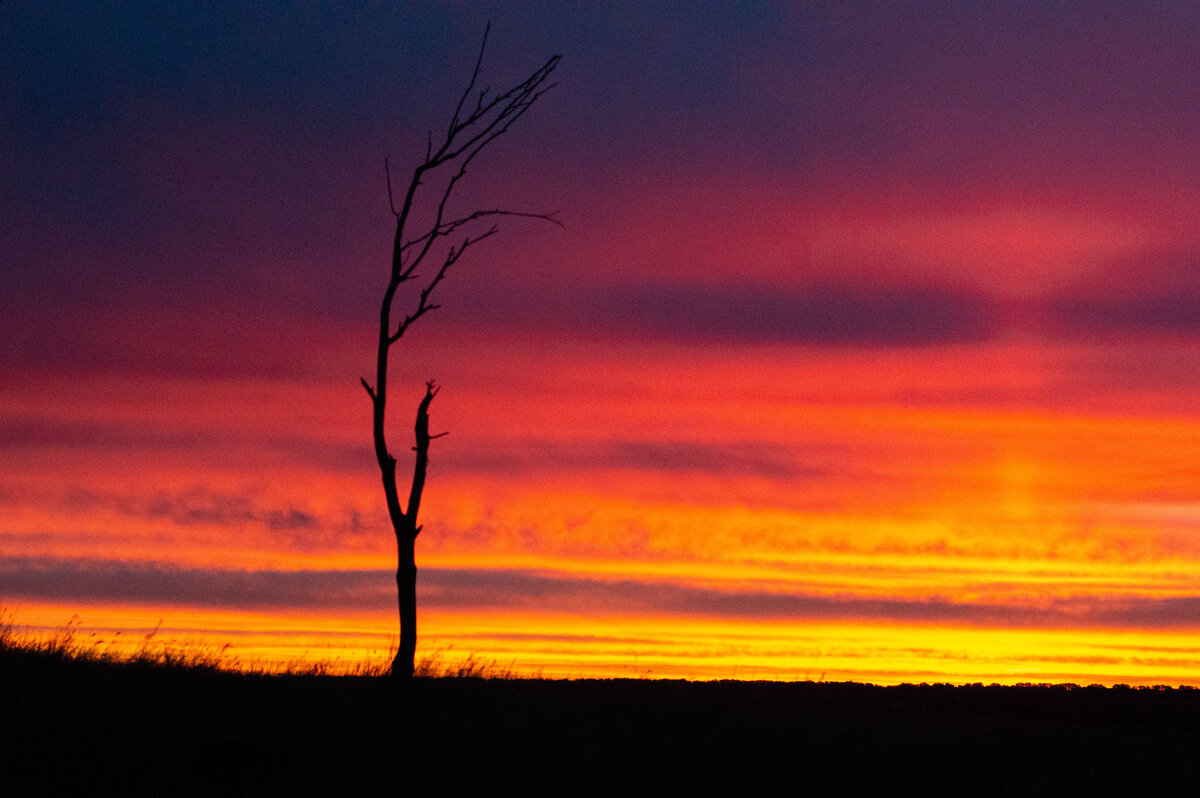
(175,168)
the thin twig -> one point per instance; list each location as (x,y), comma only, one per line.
(388,173)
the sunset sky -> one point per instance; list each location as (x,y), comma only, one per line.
(869,349)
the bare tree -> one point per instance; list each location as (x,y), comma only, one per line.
(480,117)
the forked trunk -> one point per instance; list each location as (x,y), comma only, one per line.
(404,523)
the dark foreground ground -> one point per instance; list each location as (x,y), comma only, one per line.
(69,727)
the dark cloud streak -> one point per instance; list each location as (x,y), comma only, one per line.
(754,458)
(747,313)
(32,432)
(1162,313)
(747,458)
(468,589)
(823,313)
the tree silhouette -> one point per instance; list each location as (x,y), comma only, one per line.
(479,119)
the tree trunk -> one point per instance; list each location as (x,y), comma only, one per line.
(406,587)
(404,524)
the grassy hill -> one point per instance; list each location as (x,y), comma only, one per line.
(68,723)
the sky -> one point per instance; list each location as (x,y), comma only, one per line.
(868,348)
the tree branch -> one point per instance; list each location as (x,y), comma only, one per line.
(449,227)
(466,92)
(421,428)
(388,173)
(423,304)
(516,101)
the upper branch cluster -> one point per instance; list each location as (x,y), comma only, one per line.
(468,133)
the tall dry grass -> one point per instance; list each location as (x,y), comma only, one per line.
(68,642)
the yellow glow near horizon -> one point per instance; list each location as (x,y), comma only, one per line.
(599,646)
(857,513)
